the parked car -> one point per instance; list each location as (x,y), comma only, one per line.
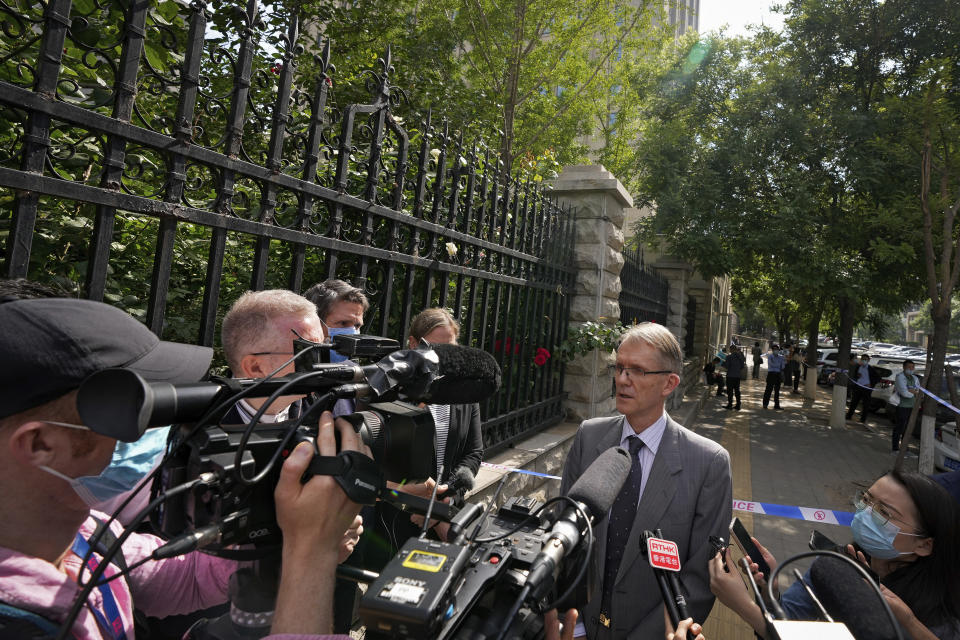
(881,346)
(880,398)
(827,363)
(946,448)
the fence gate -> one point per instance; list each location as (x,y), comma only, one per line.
(643,293)
(169,166)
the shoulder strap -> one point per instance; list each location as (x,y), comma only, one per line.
(107,539)
(20,624)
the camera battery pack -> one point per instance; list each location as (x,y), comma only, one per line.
(413,594)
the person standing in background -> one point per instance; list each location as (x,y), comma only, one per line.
(775,365)
(736,365)
(757,353)
(907,387)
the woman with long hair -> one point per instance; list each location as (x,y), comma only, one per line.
(905,531)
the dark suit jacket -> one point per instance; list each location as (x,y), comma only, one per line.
(464,442)
(688,495)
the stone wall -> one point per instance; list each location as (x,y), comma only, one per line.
(599,201)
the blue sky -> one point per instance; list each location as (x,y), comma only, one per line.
(737,14)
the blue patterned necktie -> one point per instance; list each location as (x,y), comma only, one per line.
(621,522)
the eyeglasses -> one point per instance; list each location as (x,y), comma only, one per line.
(634,371)
(880,512)
(273,353)
(68,425)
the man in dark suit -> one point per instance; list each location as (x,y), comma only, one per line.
(680,482)
(863,378)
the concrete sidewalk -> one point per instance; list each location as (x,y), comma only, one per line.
(791,457)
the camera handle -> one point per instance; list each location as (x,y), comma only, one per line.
(358,475)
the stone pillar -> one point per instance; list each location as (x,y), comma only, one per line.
(599,201)
(702,291)
(677,274)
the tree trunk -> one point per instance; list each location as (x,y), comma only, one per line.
(940,314)
(813,339)
(511,100)
(839,408)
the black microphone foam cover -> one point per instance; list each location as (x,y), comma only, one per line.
(461,479)
(467,375)
(849,599)
(599,485)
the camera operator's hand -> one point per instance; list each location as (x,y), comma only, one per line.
(313,516)
(350,539)
(551,625)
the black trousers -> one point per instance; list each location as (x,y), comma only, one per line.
(900,427)
(859,394)
(733,387)
(756,368)
(773,386)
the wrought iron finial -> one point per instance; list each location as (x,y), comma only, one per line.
(290,40)
(327,68)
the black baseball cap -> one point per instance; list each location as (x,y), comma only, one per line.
(48,347)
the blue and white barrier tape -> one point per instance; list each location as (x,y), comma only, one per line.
(941,401)
(527,472)
(929,393)
(811,514)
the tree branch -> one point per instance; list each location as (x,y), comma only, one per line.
(600,65)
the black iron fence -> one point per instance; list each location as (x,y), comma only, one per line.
(643,293)
(170,165)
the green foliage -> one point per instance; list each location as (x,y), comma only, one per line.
(586,337)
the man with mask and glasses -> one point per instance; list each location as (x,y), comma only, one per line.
(49,460)
(340,307)
(679,482)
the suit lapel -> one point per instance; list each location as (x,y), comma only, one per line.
(609,439)
(657,493)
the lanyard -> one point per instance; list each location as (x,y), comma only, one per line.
(109,619)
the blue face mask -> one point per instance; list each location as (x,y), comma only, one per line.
(131,461)
(877,539)
(340,331)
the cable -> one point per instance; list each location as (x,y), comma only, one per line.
(483,518)
(94,581)
(848,560)
(584,564)
(255,421)
(514,608)
(150,477)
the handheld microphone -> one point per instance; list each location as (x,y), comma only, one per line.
(849,599)
(595,493)
(461,479)
(667,555)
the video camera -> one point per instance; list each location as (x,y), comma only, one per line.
(230,471)
(216,485)
(494,582)
(462,588)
